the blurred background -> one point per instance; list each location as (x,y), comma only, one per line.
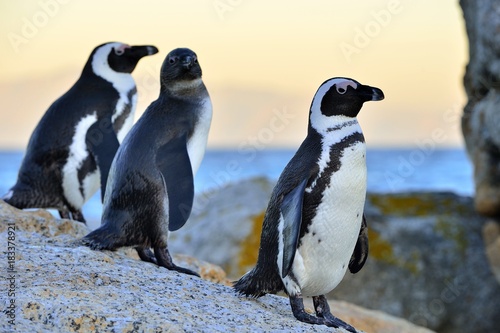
(256,56)
(262,63)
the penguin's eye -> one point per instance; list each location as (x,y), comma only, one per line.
(173,59)
(195,60)
(341,90)
(119,52)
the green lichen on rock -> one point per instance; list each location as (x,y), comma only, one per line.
(382,250)
(250,245)
(453,231)
(415,204)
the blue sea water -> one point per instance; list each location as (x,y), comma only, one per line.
(389,171)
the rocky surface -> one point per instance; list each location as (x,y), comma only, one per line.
(427,260)
(481,119)
(427,264)
(63,287)
(491,236)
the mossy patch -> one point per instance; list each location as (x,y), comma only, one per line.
(417,204)
(250,246)
(454,232)
(382,250)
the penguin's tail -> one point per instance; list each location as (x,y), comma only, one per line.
(23,198)
(102,239)
(257,284)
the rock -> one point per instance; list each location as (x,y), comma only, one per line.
(491,236)
(372,321)
(427,258)
(60,287)
(225,226)
(481,121)
(427,264)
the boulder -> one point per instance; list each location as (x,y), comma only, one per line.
(427,263)
(225,226)
(427,259)
(481,119)
(491,236)
(54,285)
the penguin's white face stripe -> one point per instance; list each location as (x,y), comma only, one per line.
(122,82)
(77,154)
(319,121)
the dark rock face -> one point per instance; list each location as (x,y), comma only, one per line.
(427,264)
(481,117)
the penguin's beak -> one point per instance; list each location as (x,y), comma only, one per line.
(139,51)
(188,61)
(371,93)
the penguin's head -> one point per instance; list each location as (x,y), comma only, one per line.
(110,58)
(341,96)
(180,70)
(123,58)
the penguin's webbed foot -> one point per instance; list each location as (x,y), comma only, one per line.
(164,259)
(323,310)
(324,317)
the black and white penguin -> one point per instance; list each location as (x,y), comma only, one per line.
(314,227)
(150,188)
(71,149)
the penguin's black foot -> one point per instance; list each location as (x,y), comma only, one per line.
(78,216)
(64,214)
(323,317)
(323,310)
(164,259)
(146,255)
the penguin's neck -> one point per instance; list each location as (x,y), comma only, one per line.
(184,88)
(122,82)
(334,127)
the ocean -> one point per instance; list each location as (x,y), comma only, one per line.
(389,171)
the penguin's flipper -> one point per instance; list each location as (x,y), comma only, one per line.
(102,142)
(173,161)
(360,253)
(291,210)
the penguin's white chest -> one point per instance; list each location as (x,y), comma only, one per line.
(323,255)
(198,142)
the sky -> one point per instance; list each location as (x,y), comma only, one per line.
(262,62)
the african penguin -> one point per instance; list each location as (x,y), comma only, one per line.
(150,188)
(314,226)
(71,149)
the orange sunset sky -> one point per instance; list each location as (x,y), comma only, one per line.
(261,60)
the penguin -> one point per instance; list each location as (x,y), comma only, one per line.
(150,188)
(71,149)
(314,226)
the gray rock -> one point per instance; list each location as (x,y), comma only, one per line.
(62,287)
(427,264)
(427,260)
(225,225)
(481,119)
